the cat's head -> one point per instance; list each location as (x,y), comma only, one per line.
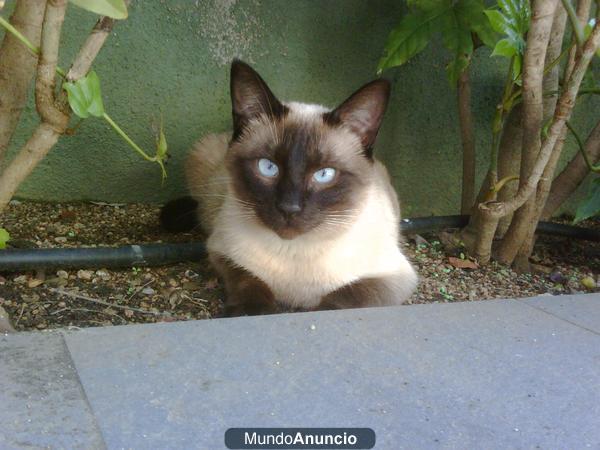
(299,167)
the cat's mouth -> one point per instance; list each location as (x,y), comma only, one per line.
(288,233)
(290,228)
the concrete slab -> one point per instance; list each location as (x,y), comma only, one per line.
(42,404)
(494,374)
(582,310)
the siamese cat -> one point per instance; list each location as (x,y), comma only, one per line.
(297,209)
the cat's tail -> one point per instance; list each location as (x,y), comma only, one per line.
(179,215)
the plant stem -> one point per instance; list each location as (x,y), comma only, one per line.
(578,31)
(133,145)
(127,139)
(32,48)
(16,33)
(499,185)
(63,74)
(498,122)
(551,66)
(593,168)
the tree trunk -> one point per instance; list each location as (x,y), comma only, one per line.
(52,109)
(550,84)
(509,162)
(34,150)
(17,66)
(465,118)
(538,39)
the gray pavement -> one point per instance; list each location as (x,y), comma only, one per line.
(492,374)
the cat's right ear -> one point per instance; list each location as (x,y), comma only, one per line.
(250,97)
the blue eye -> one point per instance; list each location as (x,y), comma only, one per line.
(267,168)
(324,175)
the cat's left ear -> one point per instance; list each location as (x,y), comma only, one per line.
(363,111)
(250,96)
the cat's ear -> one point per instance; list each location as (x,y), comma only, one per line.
(363,111)
(250,96)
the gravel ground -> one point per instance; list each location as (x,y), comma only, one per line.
(82,298)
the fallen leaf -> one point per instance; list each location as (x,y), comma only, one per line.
(34,282)
(462,263)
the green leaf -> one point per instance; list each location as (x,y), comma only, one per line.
(161,143)
(591,205)
(85,97)
(496,19)
(456,37)
(426,5)
(472,12)
(111,8)
(504,47)
(517,67)
(512,21)
(4,238)
(410,36)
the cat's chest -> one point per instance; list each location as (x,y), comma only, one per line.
(301,271)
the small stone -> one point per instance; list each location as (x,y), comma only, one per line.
(14,203)
(56,282)
(21,279)
(62,304)
(103,274)
(41,325)
(558,277)
(172,282)
(148,291)
(191,286)
(588,283)
(30,298)
(62,274)
(85,274)
(60,239)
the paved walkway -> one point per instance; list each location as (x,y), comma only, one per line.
(493,374)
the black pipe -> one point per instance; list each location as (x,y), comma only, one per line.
(424,224)
(161,254)
(100,257)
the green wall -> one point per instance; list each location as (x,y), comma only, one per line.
(172,56)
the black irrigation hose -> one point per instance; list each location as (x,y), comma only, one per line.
(130,255)
(424,224)
(161,254)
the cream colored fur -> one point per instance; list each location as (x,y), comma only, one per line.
(302,270)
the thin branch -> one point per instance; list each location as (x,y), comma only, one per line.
(577,28)
(16,33)
(573,174)
(91,47)
(588,163)
(465,116)
(102,302)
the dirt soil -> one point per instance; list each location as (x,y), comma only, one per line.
(85,297)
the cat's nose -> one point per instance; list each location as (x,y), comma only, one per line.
(289,207)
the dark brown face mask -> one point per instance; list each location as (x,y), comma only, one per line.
(295,170)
